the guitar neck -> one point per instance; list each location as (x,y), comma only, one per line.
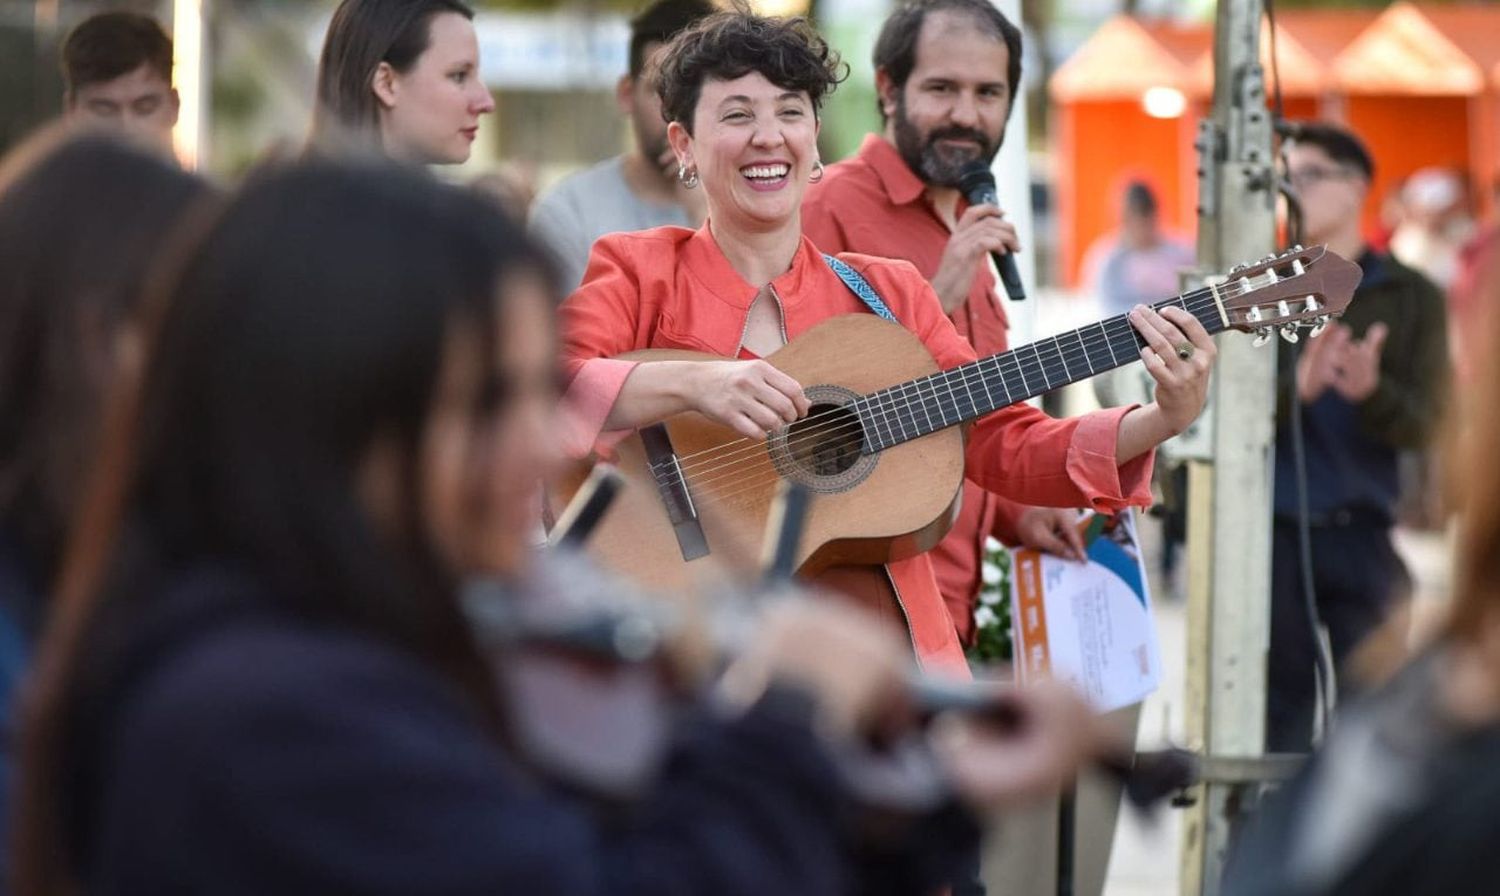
(925,405)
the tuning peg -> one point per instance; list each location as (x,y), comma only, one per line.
(1262,336)
(1237,268)
(1268,258)
(1319,327)
(1297,248)
(1289,332)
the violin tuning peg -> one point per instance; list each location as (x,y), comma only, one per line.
(1289,332)
(1262,336)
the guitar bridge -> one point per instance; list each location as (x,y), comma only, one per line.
(672,487)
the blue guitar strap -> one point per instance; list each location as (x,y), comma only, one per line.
(860,287)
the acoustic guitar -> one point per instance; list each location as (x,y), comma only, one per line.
(881,449)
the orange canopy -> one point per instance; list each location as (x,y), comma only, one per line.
(1121,61)
(1306,41)
(1423,90)
(1419,82)
(1415,50)
(1126,55)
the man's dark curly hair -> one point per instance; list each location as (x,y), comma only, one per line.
(729,45)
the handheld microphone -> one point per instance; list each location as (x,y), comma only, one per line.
(978,186)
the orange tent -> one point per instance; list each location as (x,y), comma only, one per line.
(1306,41)
(1105,133)
(1103,137)
(1423,87)
(1419,82)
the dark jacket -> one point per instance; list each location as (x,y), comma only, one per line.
(1352,449)
(20,604)
(236,750)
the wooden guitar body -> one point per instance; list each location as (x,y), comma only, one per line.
(867,508)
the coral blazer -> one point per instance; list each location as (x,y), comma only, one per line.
(673,288)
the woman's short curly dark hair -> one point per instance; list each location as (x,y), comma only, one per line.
(730,45)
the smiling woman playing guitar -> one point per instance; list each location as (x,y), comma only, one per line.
(742,95)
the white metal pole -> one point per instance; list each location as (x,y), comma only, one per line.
(1013,186)
(1229,527)
(190,75)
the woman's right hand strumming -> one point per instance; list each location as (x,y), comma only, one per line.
(750,397)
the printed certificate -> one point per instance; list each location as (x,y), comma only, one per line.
(1088,624)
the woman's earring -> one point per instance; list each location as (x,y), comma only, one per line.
(686,176)
(817,172)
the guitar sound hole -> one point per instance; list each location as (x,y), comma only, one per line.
(826,442)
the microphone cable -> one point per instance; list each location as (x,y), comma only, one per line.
(1324,676)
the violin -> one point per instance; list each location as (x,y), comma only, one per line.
(596,671)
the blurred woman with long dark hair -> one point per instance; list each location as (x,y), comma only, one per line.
(400,78)
(260,679)
(80,219)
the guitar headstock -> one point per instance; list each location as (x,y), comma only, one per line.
(1280,293)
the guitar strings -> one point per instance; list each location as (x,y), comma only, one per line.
(973,374)
(891,416)
(724,487)
(749,475)
(1005,363)
(1025,369)
(728,486)
(714,488)
(728,466)
(1119,323)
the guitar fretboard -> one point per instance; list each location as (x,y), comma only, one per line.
(918,407)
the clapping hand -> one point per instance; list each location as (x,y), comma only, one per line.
(1338,361)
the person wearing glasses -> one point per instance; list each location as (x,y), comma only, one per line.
(1368,389)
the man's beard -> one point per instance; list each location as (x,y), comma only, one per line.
(652,148)
(652,144)
(936,166)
